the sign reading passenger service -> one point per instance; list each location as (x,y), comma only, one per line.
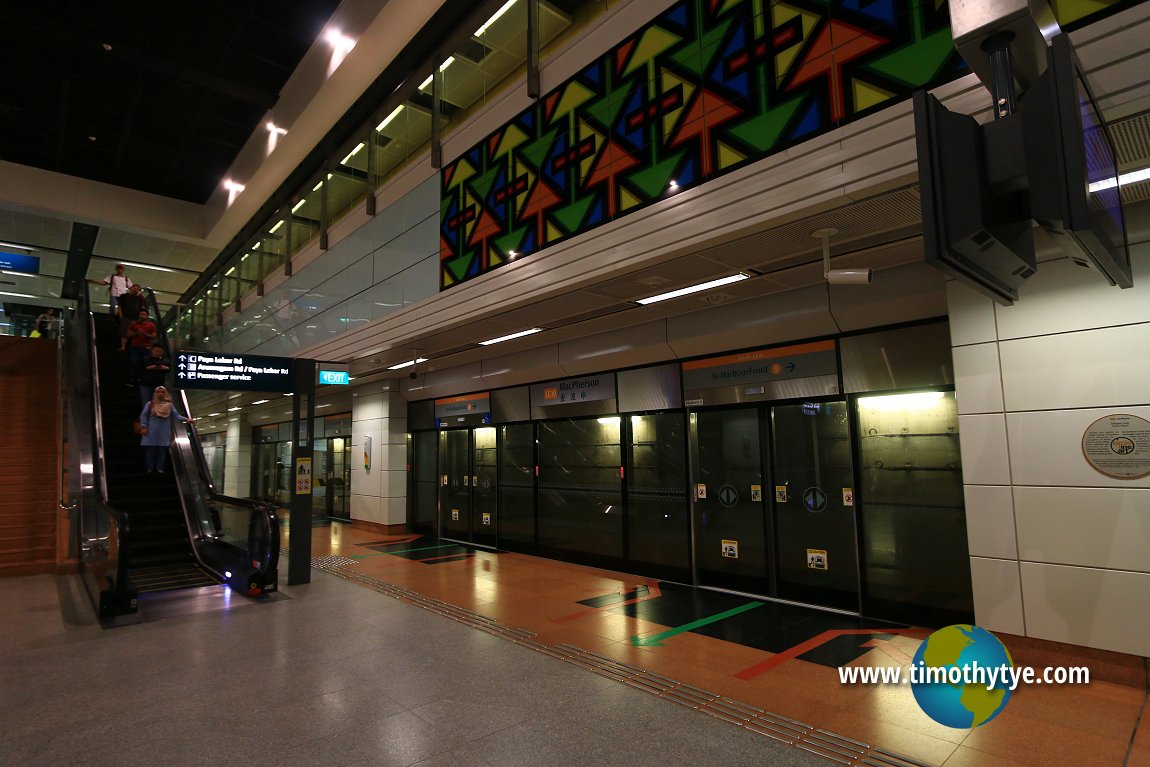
(233,372)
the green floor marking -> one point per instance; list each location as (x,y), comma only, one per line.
(656,640)
(404,551)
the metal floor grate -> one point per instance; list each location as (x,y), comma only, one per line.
(835,748)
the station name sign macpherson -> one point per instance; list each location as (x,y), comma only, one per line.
(242,372)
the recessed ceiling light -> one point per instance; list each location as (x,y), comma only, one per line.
(693,289)
(501,339)
(409,363)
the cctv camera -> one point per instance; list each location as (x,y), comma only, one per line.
(413,375)
(849,276)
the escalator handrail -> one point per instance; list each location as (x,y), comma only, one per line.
(257,509)
(95,494)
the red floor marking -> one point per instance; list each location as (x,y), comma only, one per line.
(764,666)
(653,592)
(889,649)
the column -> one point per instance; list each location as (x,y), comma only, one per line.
(379,491)
(238,458)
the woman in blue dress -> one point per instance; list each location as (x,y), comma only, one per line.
(156,420)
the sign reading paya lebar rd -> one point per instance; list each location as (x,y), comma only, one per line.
(233,372)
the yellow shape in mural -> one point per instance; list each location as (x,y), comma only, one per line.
(573,96)
(729,156)
(654,41)
(867,95)
(781,14)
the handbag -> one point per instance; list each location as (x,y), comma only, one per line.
(34,334)
(138,428)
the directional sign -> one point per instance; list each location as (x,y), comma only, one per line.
(20,262)
(728,496)
(221,371)
(337,377)
(814,499)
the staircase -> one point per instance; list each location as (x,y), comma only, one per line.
(159,547)
(29,455)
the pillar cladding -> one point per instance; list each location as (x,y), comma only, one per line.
(238,458)
(379,456)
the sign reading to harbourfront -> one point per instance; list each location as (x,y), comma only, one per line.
(467,409)
(572,390)
(19,262)
(233,372)
(763,367)
(1118,446)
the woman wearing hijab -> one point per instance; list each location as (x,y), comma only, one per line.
(156,421)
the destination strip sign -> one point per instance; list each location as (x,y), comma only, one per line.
(233,372)
(19,262)
(763,366)
(467,409)
(572,390)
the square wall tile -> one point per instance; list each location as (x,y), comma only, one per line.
(971,315)
(985,459)
(1089,526)
(1093,368)
(977,379)
(990,521)
(1046,448)
(1087,606)
(997,595)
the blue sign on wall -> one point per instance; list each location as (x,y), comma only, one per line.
(19,262)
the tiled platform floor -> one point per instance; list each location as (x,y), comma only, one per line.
(612,614)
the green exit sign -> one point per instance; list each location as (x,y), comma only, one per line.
(334,377)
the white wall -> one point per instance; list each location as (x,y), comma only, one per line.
(238,458)
(379,493)
(1058,550)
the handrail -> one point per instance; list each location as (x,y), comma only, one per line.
(256,571)
(103,533)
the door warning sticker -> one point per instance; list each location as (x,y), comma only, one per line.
(487,517)
(455,515)
(817,559)
(731,549)
(780,493)
(756,493)
(701,491)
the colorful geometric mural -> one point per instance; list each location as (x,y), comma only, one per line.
(708,86)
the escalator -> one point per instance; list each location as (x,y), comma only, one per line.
(162,554)
(139,532)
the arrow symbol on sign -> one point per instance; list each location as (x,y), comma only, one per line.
(181,366)
(182,357)
(180,375)
(790,366)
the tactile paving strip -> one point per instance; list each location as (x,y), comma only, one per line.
(835,748)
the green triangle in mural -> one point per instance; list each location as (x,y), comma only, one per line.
(696,56)
(457,267)
(510,241)
(536,152)
(653,181)
(918,63)
(482,184)
(571,216)
(606,110)
(763,131)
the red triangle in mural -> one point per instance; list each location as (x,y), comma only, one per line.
(707,111)
(613,160)
(540,199)
(486,228)
(493,143)
(448,173)
(445,249)
(549,106)
(623,52)
(826,58)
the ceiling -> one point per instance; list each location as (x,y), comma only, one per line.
(154,97)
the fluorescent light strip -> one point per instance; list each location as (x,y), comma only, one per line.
(234,409)
(145,266)
(21,274)
(409,363)
(506,6)
(18,247)
(501,339)
(359,147)
(693,289)
(20,295)
(261,401)
(387,120)
(1125,179)
(275,228)
(298,205)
